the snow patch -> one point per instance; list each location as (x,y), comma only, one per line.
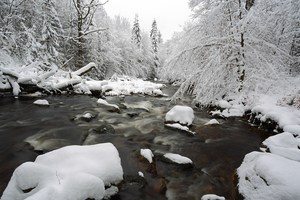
(180,127)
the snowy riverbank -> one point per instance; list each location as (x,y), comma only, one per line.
(271,173)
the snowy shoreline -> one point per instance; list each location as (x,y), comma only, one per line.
(269,174)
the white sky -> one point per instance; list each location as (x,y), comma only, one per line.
(170,15)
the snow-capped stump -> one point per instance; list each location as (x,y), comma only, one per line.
(147,154)
(268,176)
(178,159)
(180,127)
(41,102)
(180,114)
(212,122)
(72,172)
(212,197)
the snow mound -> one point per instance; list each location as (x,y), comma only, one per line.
(212,197)
(180,114)
(285,145)
(268,176)
(294,129)
(212,122)
(41,102)
(72,172)
(176,158)
(104,102)
(223,104)
(147,153)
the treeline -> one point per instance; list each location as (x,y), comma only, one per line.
(70,34)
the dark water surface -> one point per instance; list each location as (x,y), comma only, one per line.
(216,151)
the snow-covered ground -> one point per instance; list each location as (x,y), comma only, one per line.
(72,172)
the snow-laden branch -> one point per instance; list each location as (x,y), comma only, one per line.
(9,73)
(84,69)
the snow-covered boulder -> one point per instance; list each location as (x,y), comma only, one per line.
(41,102)
(269,176)
(180,114)
(147,153)
(179,159)
(72,172)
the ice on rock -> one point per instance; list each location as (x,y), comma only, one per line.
(147,153)
(179,159)
(180,114)
(41,102)
(72,172)
(180,127)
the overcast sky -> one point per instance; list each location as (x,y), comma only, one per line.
(169,14)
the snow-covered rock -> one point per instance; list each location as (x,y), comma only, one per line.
(41,102)
(104,102)
(212,197)
(147,153)
(268,176)
(180,114)
(141,174)
(212,122)
(179,159)
(180,127)
(223,104)
(72,172)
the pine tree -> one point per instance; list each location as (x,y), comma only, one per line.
(51,29)
(154,37)
(136,32)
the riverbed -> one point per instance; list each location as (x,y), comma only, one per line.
(27,130)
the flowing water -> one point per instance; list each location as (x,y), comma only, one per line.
(27,130)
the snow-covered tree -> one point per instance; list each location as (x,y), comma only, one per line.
(51,30)
(232,46)
(136,32)
(154,36)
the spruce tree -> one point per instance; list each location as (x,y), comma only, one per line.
(154,37)
(136,32)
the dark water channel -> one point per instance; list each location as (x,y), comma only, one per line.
(216,151)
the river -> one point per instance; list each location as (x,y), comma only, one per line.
(216,151)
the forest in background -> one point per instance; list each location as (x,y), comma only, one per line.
(230,49)
(70,34)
